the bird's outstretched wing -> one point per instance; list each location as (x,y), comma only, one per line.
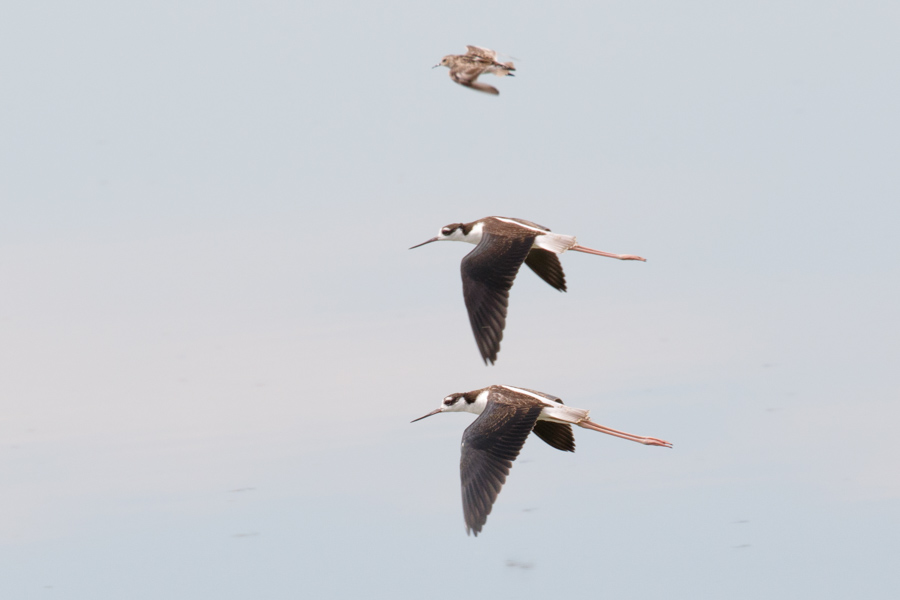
(488,272)
(546,265)
(467,74)
(488,58)
(483,53)
(489,446)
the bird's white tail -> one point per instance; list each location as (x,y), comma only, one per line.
(501,70)
(555,242)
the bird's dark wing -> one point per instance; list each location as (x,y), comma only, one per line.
(546,265)
(489,446)
(558,435)
(488,272)
(468,73)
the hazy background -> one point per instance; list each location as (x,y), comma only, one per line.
(213,338)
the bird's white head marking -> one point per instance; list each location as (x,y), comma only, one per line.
(454,403)
(473,402)
(452,232)
(461,232)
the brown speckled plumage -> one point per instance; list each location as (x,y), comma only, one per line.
(466,68)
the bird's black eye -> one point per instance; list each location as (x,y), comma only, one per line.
(447,230)
(449,400)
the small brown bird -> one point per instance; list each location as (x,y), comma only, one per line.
(465,68)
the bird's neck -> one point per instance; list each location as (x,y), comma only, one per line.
(473,236)
(480,403)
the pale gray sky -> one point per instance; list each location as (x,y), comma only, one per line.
(213,338)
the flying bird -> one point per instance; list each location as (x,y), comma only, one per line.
(501,246)
(465,68)
(492,442)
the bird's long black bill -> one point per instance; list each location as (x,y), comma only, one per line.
(434,412)
(434,239)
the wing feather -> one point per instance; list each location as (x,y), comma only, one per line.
(489,446)
(558,435)
(546,265)
(479,52)
(488,273)
(466,74)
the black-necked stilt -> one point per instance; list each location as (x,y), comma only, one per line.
(493,440)
(488,271)
(465,68)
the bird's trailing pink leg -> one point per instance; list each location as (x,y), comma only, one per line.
(647,441)
(607,254)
